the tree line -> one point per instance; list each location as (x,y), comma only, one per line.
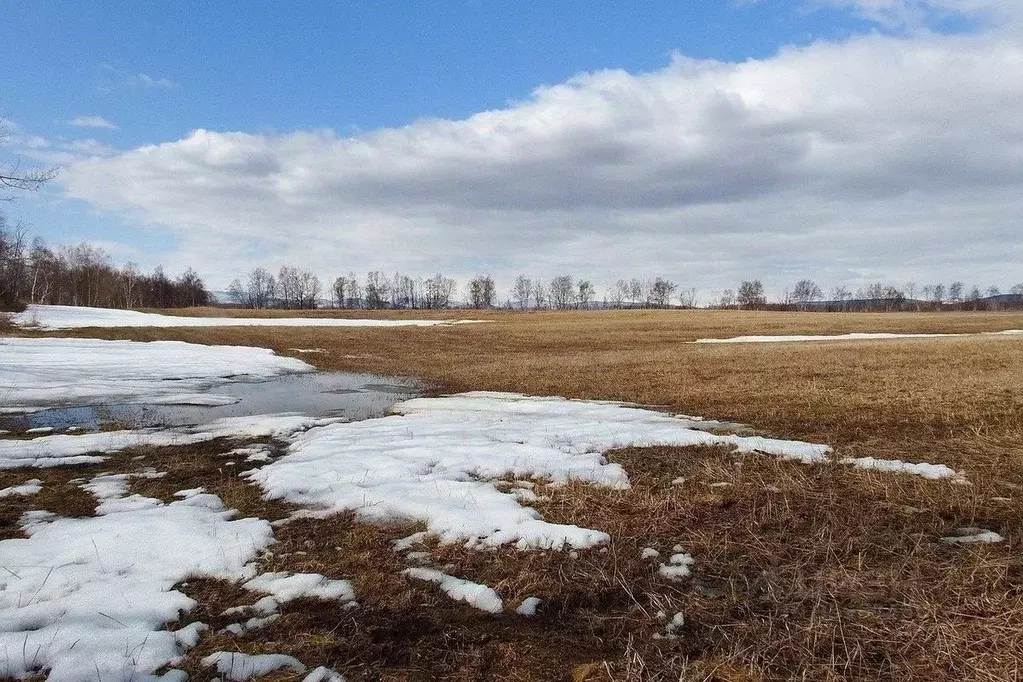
(294,288)
(82,274)
(876,296)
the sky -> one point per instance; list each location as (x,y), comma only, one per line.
(847,141)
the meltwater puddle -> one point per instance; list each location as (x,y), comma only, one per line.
(354,396)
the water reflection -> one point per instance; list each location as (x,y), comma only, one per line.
(345,394)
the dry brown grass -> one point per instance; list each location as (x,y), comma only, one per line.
(803,573)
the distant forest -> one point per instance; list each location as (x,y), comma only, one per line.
(32,272)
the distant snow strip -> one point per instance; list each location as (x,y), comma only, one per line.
(435,462)
(51,317)
(850,337)
(39,373)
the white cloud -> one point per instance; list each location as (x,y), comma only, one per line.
(878,157)
(92,122)
(113,78)
(919,14)
(144,80)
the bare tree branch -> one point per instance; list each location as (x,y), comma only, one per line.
(12,176)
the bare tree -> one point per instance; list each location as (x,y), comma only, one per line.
(439,291)
(341,290)
(635,292)
(617,293)
(955,291)
(540,295)
(841,295)
(805,293)
(12,264)
(751,295)
(562,292)
(308,290)
(522,292)
(659,293)
(910,290)
(41,264)
(482,291)
(13,176)
(727,299)
(258,292)
(584,293)
(687,297)
(377,290)
(236,293)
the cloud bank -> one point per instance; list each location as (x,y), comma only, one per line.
(885,156)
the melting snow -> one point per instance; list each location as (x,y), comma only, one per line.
(30,487)
(89,448)
(322,674)
(87,598)
(431,462)
(679,566)
(964,536)
(285,587)
(50,317)
(480,596)
(239,667)
(528,606)
(38,373)
(931,471)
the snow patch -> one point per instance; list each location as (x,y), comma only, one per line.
(679,566)
(966,536)
(38,373)
(90,448)
(930,471)
(436,459)
(87,598)
(323,674)
(528,606)
(856,336)
(480,596)
(29,487)
(239,667)
(51,317)
(285,587)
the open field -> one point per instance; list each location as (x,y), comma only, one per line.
(808,572)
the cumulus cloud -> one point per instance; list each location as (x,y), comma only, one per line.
(880,156)
(91,122)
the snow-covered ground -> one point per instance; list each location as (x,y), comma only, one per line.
(37,373)
(92,448)
(435,461)
(87,598)
(857,336)
(50,317)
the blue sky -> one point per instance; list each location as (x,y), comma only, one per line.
(259,66)
(135,74)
